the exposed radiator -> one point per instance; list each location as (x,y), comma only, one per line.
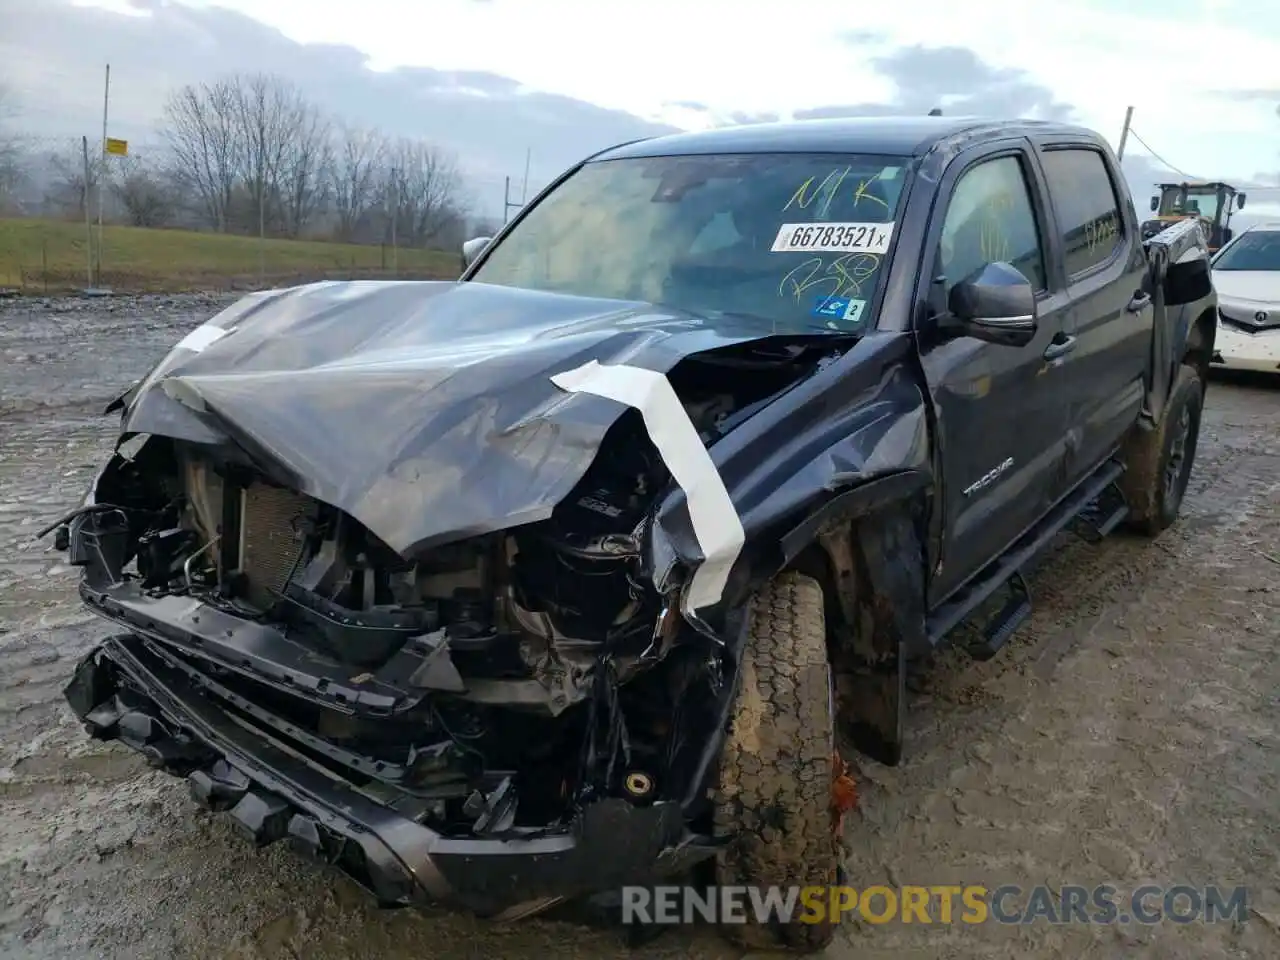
(271,537)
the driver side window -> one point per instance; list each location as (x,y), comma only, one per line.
(990,219)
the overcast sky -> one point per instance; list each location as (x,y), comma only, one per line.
(494,77)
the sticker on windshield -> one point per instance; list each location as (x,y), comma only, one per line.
(844,309)
(833,238)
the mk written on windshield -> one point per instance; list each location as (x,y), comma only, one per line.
(795,240)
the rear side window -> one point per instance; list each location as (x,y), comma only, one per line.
(1087,206)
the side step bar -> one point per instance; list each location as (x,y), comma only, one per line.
(1002,626)
(1101,517)
(1091,503)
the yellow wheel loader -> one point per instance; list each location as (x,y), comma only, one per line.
(1212,202)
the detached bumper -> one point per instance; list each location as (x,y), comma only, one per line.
(123,690)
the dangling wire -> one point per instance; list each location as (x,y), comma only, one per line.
(1182,173)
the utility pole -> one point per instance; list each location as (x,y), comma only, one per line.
(262,230)
(395,218)
(507,202)
(102,173)
(524,188)
(1124,133)
(88,221)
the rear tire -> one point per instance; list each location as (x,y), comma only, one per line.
(777,768)
(1158,462)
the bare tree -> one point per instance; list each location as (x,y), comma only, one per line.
(257,154)
(10,147)
(263,112)
(143,192)
(357,166)
(253,151)
(302,184)
(69,193)
(201,130)
(427,188)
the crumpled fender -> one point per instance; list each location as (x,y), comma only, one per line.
(861,419)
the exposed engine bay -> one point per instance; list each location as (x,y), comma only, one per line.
(520,664)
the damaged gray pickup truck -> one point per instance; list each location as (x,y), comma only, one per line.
(517,589)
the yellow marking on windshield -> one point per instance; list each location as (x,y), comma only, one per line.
(861,193)
(843,276)
(802,198)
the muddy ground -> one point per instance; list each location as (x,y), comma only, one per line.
(1129,734)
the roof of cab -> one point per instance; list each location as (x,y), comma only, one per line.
(887,136)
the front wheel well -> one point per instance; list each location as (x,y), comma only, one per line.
(872,572)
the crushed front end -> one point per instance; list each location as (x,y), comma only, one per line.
(404,574)
(502,721)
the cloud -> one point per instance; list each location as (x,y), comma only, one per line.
(52,54)
(745,117)
(963,84)
(954,78)
(1249,95)
(688,105)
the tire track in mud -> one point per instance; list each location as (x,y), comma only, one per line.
(1129,731)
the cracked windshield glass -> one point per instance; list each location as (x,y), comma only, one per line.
(795,241)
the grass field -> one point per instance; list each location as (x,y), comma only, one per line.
(38,256)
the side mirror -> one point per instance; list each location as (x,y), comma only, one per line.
(472,249)
(1155,204)
(996,304)
(1240,201)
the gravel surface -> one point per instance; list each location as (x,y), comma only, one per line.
(1128,734)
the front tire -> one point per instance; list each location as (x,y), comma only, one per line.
(778,766)
(1158,462)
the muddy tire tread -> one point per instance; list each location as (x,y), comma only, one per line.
(1144,454)
(775,769)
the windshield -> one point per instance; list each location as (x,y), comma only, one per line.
(1255,250)
(794,240)
(1180,201)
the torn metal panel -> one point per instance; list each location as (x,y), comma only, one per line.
(861,417)
(711,513)
(272,795)
(424,410)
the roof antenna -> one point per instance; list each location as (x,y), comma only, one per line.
(935,112)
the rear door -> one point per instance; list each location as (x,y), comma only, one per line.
(1108,319)
(1001,416)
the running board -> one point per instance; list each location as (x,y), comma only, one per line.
(1101,517)
(1002,626)
(962,604)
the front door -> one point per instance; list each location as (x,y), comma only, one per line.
(1000,416)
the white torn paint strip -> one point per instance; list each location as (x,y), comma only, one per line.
(201,337)
(715,521)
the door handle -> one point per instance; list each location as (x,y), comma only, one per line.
(1059,348)
(1139,302)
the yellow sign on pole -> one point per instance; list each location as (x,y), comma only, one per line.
(117,148)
